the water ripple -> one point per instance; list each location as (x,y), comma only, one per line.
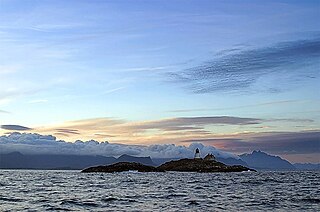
(23,190)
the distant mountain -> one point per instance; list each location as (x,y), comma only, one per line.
(307,166)
(16,160)
(255,160)
(261,160)
(232,161)
(160,161)
(128,158)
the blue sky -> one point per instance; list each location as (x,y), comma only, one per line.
(150,61)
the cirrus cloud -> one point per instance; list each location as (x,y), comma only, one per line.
(241,68)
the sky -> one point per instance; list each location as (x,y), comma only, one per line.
(237,76)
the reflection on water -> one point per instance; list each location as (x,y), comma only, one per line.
(75,191)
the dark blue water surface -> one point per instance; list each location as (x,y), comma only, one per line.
(29,190)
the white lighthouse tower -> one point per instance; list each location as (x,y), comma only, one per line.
(197,154)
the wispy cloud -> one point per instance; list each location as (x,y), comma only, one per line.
(113,90)
(15,127)
(37,101)
(299,120)
(238,70)
(183,123)
(142,69)
(4,111)
(67,131)
(160,131)
(8,69)
(237,107)
(143,132)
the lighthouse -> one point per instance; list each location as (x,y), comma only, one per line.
(197,154)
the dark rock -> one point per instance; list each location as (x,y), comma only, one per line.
(200,165)
(160,161)
(121,167)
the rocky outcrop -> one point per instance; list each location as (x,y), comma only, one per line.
(200,165)
(121,167)
(183,165)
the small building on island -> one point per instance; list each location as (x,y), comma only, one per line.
(210,157)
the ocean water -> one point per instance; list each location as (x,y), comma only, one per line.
(35,190)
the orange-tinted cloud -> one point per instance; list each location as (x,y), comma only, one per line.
(168,130)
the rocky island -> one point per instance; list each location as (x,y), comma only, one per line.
(122,167)
(207,164)
(200,165)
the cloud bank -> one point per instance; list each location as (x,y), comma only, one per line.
(31,143)
(304,142)
(241,68)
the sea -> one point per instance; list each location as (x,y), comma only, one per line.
(54,190)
